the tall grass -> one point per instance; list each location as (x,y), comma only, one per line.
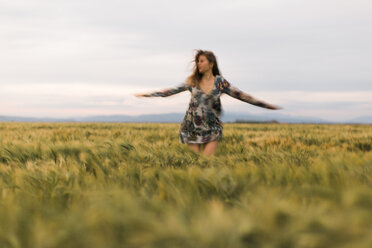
(134,185)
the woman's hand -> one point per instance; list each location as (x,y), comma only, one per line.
(139,95)
(274,107)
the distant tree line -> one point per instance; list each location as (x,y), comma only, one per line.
(255,121)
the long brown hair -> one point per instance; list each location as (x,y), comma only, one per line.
(195,78)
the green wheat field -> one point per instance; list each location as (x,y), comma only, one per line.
(134,185)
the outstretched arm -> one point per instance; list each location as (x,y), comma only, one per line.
(166,92)
(238,94)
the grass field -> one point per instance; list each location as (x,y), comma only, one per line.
(134,185)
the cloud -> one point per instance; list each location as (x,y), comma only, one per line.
(102,48)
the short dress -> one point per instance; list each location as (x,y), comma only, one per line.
(201,123)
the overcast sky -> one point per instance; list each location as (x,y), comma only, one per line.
(67,58)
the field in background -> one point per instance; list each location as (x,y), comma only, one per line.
(134,185)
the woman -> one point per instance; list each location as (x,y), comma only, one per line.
(201,125)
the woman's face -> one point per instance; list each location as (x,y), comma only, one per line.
(203,64)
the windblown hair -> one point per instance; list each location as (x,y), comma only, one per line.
(195,78)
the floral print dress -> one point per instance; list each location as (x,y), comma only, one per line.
(201,123)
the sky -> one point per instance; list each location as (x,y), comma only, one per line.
(70,58)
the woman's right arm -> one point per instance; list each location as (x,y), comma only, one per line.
(166,92)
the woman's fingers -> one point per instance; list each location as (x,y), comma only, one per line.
(276,107)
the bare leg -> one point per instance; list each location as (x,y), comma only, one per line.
(210,148)
(195,147)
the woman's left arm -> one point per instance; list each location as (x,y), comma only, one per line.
(238,94)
